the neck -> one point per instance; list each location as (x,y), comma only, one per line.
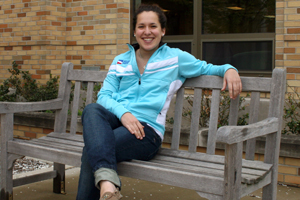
(144,55)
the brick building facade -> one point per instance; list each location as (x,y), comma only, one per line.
(42,34)
(288,41)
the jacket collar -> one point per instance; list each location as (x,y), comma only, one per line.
(136,46)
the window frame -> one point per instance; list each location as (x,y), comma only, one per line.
(197,39)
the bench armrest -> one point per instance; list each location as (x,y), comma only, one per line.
(14,107)
(236,134)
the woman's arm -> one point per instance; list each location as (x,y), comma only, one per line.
(189,67)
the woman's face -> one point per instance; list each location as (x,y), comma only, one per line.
(148,31)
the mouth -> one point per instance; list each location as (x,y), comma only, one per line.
(148,39)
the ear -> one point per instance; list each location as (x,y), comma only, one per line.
(163,32)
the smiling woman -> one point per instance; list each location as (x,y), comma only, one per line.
(128,120)
(148,33)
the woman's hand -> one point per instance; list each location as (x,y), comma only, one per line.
(133,125)
(233,81)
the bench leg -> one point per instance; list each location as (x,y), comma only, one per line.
(232,173)
(59,182)
(6,181)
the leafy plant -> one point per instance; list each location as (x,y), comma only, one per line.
(205,110)
(292,113)
(26,87)
(96,89)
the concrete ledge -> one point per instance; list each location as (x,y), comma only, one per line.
(289,146)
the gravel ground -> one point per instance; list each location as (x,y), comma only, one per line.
(29,164)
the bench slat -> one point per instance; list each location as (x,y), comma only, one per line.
(177,119)
(89,93)
(250,84)
(213,122)
(48,144)
(212,158)
(247,178)
(203,164)
(68,136)
(45,153)
(85,75)
(60,141)
(253,117)
(195,120)
(166,175)
(75,107)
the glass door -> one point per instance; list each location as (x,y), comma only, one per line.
(238,32)
(180,23)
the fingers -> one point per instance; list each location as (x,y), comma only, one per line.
(140,134)
(224,85)
(234,89)
(133,125)
(233,81)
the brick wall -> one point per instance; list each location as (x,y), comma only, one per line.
(40,35)
(288,41)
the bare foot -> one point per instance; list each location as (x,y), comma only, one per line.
(106,186)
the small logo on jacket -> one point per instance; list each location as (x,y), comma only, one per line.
(120,62)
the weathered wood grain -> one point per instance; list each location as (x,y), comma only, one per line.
(89,93)
(75,108)
(85,75)
(213,122)
(34,178)
(195,120)
(212,176)
(15,107)
(7,126)
(273,140)
(235,134)
(253,117)
(177,119)
(216,82)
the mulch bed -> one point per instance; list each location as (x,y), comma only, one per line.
(29,164)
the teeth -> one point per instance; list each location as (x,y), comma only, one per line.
(148,39)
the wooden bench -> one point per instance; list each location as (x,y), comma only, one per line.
(212,176)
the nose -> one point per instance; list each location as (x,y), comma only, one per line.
(147,31)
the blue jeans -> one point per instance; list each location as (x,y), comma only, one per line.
(108,142)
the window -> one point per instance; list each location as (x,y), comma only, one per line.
(179,15)
(239,32)
(245,56)
(238,16)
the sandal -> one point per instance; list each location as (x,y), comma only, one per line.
(112,196)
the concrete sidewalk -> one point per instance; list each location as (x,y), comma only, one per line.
(131,189)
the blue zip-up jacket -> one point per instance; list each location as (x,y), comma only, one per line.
(148,96)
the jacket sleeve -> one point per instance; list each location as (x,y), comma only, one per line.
(189,66)
(108,93)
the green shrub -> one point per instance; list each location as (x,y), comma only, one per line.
(205,110)
(26,87)
(292,113)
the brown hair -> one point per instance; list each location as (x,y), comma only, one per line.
(154,8)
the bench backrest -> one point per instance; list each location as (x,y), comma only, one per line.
(252,85)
